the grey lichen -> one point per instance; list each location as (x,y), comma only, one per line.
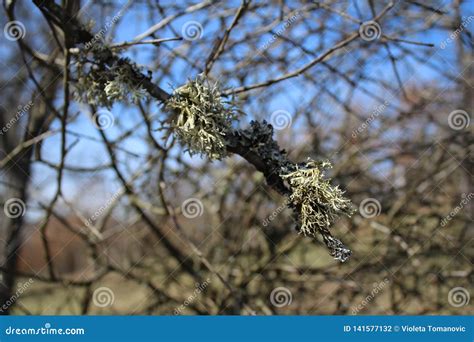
(318,203)
(109,79)
(200,118)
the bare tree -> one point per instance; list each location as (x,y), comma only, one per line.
(187,160)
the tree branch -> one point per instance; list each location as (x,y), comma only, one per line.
(255,144)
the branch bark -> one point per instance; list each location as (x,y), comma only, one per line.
(255,144)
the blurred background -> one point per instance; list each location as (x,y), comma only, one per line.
(118,218)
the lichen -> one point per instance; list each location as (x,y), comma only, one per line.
(110,79)
(317,203)
(200,118)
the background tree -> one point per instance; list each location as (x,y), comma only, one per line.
(143,172)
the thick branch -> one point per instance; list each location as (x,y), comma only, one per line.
(255,144)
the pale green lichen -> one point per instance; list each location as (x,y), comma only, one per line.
(318,203)
(121,89)
(108,80)
(200,118)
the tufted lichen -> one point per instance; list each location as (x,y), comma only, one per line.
(317,203)
(108,80)
(200,118)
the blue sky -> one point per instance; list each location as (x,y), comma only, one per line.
(135,21)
